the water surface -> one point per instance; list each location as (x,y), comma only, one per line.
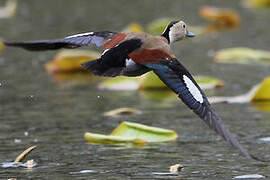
(56,115)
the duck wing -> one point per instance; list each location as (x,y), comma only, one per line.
(74,41)
(177,78)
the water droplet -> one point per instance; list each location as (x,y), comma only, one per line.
(17,140)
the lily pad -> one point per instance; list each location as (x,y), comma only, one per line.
(157,26)
(9,10)
(257,3)
(134,27)
(1,45)
(128,132)
(263,91)
(120,83)
(122,112)
(260,92)
(70,60)
(225,18)
(151,81)
(71,79)
(242,55)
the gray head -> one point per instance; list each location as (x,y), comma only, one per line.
(176,30)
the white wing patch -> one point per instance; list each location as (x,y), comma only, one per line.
(82,34)
(129,62)
(193,89)
(105,51)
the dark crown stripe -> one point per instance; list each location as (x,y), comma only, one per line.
(167,30)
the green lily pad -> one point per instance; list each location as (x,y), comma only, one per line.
(257,3)
(128,132)
(122,112)
(120,83)
(157,26)
(134,27)
(70,61)
(151,81)
(242,55)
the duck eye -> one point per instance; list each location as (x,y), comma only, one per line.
(184,26)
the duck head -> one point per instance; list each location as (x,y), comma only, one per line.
(176,30)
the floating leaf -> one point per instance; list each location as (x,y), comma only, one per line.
(25,153)
(119,83)
(110,139)
(9,10)
(223,18)
(1,45)
(263,92)
(260,92)
(128,132)
(122,112)
(163,96)
(257,3)
(70,60)
(74,78)
(242,55)
(134,27)
(207,82)
(151,81)
(157,26)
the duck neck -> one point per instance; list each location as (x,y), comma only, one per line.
(166,35)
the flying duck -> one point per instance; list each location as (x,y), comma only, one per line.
(135,53)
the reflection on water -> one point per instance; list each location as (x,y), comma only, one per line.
(56,116)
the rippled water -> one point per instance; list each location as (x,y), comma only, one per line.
(56,115)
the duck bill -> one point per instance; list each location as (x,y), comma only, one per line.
(190,34)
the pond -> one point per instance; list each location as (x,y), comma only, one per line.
(35,109)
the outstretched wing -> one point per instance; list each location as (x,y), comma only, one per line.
(176,77)
(114,61)
(74,41)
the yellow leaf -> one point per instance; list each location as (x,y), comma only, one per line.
(157,26)
(134,27)
(70,60)
(25,153)
(110,139)
(263,92)
(122,112)
(128,132)
(151,81)
(257,3)
(224,17)
(1,45)
(120,83)
(146,133)
(242,55)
